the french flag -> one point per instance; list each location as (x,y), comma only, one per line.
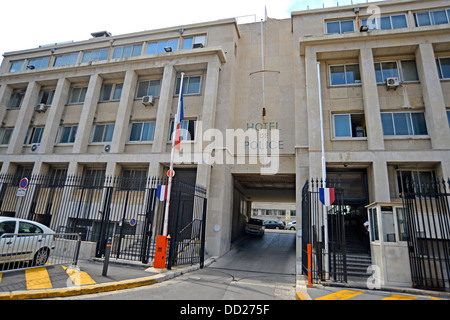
(178,119)
(326,196)
(161,192)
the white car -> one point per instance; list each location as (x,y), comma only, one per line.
(255,226)
(25,240)
(292,225)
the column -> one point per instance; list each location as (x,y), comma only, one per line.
(313,107)
(24,117)
(164,109)
(375,140)
(435,112)
(54,116)
(124,112)
(380,180)
(87,114)
(5,95)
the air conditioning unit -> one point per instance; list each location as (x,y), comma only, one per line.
(147,100)
(392,83)
(106,148)
(34,147)
(41,107)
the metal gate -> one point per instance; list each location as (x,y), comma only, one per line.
(325,265)
(427,215)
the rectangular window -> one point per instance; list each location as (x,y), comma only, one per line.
(16,66)
(387,219)
(373,224)
(66,60)
(5,135)
(142,131)
(133,179)
(38,63)
(95,55)
(111,92)
(349,125)
(194,42)
(16,98)
(386,23)
(67,134)
(384,70)
(103,133)
(443,66)
(432,18)
(403,123)
(345,74)
(417,181)
(162,45)
(340,27)
(409,70)
(187,130)
(148,88)
(93,177)
(448,117)
(191,85)
(34,135)
(127,51)
(45,96)
(77,94)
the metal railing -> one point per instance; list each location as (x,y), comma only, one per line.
(23,251)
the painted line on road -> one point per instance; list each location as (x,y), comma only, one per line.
(341,295)
(79,278)
(399,297)
(38,279)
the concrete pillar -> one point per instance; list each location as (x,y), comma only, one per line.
(210,94)
(24,117)
(380,180)
(374,128)
(120,136)
(87,114)
(164,110)
(54,116)
(435,112)
(5,95)
(313,107)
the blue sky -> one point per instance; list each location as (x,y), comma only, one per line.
(27,24)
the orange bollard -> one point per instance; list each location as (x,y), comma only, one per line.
(309,265)
(160,252)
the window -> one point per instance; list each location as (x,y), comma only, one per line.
(133,179)
(194,42)
(38,63)
(432,17)
(67,134)
(45,96)
(142,131)
(5,135)
(111,92)
(386,23)
(103,133)
(401,224)
(345,74)
(127,51)
(77,94)
(373,224)
(95,55)
(7,227)
(340,27)
(148,88)
(414,181)
(66,60)
(159,47)
(16,66)
(448,117)
(384,70)
(409,70)
(443,66)
(191,85)
(28,228)
(93,177)
(57,177)
(403,123)
(187,130)
(349,125)
(15,101)
(34,135)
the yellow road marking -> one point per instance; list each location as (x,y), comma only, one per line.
(1,274)
(399,297)
(79,278)
(341,295)
(37,278)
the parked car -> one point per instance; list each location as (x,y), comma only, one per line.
(291,225)
(24,240)
(255,226)
(273,224)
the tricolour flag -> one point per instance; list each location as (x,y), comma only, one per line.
(178,119)
(326,196)
(161,193)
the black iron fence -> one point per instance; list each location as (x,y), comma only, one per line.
(427,214)
(124,209)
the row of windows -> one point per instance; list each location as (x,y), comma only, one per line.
(390,22)
(161,46)
(404,70)
(110,92)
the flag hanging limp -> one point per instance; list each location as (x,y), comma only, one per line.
(326,196)
(161,193)
(178,119)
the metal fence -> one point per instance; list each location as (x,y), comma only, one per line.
(21,251)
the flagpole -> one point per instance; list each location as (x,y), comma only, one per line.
(169,184)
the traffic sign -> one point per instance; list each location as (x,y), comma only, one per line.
(168,173)
(23,183)
(21,192)
(132,222)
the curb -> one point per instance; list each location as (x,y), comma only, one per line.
(104,287)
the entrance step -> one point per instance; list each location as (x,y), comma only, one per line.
(357,264)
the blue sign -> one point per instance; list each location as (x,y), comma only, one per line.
(132,222)
(23,183)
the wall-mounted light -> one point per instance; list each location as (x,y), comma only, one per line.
(168,49)
(30,67)
(364,29)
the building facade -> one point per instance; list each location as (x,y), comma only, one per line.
(377,74)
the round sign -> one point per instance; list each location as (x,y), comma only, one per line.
(168,173)
(132,222)
(23,183)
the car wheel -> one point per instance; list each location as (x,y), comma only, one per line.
(41,257)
